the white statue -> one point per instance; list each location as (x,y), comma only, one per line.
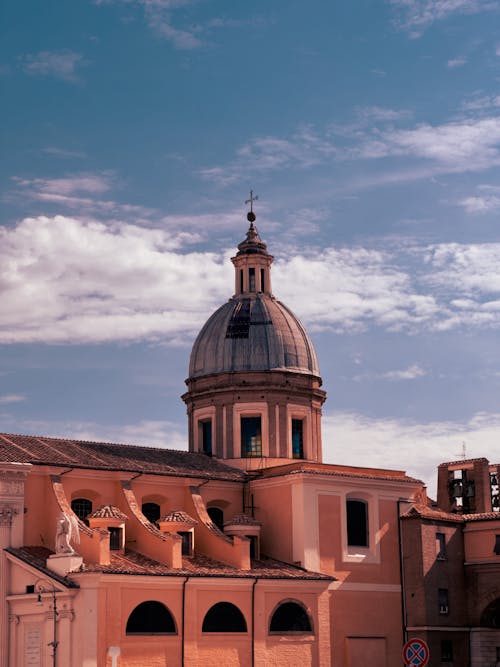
(67,532)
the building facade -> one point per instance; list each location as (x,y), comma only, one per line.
(244,550)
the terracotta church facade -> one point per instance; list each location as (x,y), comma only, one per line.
(244,550)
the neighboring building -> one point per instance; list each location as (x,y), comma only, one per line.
(246,550)
(451,559)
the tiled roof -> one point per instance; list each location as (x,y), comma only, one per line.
(178,516)
(242,520)
(110,456)
(426,512)
(462,462)
(134,563)
(37,557)
(332,470)
(482,516)
(108,512)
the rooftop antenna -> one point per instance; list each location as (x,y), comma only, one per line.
(251,215)
(463,453)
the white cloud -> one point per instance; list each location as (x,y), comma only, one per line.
(458,146)
(65,280)
(459,61)
(487,199)
(415,16)
(61,65)
(408,445)
(11,398)
(411,373)
(79,192)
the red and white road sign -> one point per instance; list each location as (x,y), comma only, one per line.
(415,653)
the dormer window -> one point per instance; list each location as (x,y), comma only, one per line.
(112,519)
(245,526)
(182,524)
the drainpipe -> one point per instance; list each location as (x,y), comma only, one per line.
(402,572)
(253,620)
(183,617)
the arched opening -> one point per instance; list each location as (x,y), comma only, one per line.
(224,617)
(82,507)
(217,516)
(151,618)
(490,618)
(290,617)
(357,522)
(151,511)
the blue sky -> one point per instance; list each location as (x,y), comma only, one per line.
(132,132)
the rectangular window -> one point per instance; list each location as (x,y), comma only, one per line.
(443,600)
(115,539)
(251,436)
(496,548)
(262,280)
(206,436)
(446,650)
(357,523)
(440,546)
(498,653)
(251,276)
(187,542)
(241,281)
(297,439)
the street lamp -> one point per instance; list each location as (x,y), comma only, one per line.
(45,586)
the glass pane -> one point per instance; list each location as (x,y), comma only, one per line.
(297,439)
(251,436)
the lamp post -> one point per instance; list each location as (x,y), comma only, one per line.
(45,586)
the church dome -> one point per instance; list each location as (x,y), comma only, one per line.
(253,332)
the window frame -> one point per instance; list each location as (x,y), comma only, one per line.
(151,634)
(358,554)
(302,633)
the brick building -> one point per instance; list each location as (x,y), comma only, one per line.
(451,567)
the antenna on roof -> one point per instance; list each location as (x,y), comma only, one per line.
(463,453)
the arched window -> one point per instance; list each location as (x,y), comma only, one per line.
(490,618)
(82,507)
(290,617)
(357,523)
(217,516)
(151,618)
(224,617)
(151,511)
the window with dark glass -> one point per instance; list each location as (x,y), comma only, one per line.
(443,600)
(357,523)
(206,436)
(151,511)
(496,548)
(297,438)
(290,617)
(251,276)
(224,617)
(187,542)
(217,516)
(82,507)
(253,545)
(490,618)
(262,280)
(115,538)
(446,650)
(440,546)
(241,280)
(151,618)
(251,436)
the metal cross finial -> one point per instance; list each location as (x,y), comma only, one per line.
(251,200)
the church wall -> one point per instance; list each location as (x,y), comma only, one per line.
(480,540)
(274,509)
(366,624)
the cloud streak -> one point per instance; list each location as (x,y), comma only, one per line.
(66,280)
(416,16)
(58,64)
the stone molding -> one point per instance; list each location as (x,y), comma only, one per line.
(7,513)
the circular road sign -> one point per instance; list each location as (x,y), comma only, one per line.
(415,653)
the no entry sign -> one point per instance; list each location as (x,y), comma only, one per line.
(415,653)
